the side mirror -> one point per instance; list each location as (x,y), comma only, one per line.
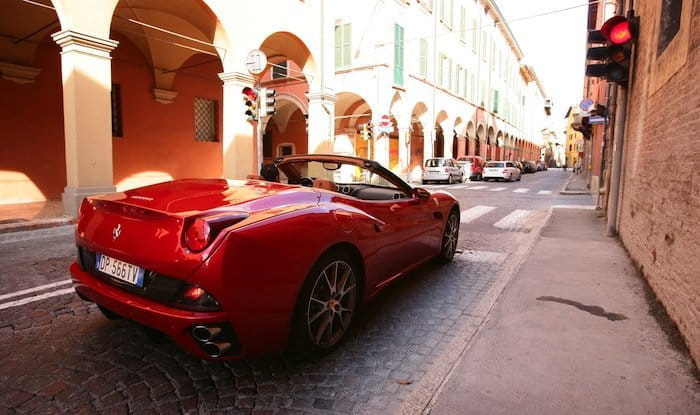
(421,193)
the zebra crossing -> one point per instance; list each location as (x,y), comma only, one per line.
(487,188)
(516,220)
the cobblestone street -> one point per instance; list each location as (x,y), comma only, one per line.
(62,355)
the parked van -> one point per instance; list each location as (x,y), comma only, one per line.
(473,167)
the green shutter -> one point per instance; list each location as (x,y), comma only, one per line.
(343,37)
(398,55)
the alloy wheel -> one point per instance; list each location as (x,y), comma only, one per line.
(331,304)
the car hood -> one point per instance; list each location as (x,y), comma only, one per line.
(187,197)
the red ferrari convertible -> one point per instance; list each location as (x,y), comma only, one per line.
(241,268)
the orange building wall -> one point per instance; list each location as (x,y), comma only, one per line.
(32,152)
(159,138)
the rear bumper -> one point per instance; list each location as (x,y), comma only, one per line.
(174,322)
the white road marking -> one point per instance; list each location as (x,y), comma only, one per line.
(477,187)
(482,256)
(544,192)
(457,187)
(498,189)
(514,220)
(475,212)
(521,190)
(585,207)
(36,298)
(35,289)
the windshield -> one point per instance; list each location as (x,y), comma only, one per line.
(492,164)
(294,171)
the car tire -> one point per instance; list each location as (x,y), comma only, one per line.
(519,177)
(325,311)
(450,237)
(449,179)
(424,181)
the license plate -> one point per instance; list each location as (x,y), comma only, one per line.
(121,270)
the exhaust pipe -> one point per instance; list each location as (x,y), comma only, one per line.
(204,333)
(216,349)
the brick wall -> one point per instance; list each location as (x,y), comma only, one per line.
(659,219)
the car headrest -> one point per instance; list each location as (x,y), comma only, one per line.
(324,184)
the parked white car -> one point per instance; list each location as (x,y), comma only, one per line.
(501,170)
(442,169)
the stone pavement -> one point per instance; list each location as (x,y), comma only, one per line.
(60,355)
(577,330)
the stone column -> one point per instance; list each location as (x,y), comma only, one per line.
(429,137)
(321,128)
(240,142)
(404,154)
(87,116)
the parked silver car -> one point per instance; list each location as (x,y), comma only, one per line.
(442,169)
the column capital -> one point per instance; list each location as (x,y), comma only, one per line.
(239,78)
(323,96)
(71,41)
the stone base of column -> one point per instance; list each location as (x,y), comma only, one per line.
(72,197)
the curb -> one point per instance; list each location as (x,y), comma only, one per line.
(25,235)
(34,225)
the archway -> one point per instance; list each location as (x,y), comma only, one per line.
(479,149)
(417,137)
(352,134)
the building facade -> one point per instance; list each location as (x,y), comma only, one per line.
(106,95)
(573,149)
(652,191)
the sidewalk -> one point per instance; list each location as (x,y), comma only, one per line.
(577,185)
(573,332)
(28,216)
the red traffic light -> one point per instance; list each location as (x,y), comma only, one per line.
(251,93)
(618,30)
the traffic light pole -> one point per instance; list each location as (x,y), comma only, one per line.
(618,141)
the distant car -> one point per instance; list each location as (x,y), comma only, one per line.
(519,165)
(501,170)
(234,269)
(473,166)
(529,167)
(442,169)
(541,165)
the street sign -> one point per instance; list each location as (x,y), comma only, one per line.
(256,61)
(385,125)
(596,119)
(585,104)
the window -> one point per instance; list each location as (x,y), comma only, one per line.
(463,24)
(286,149)
(495,101)
(279,70)
(205,125)
(116,101)
(447,12)
(475,34)
(427,4)
(441,70)
(423,57)
(343,37)
(398,55)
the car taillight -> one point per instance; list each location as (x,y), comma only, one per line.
(196,299)
(201,231)
(198,235)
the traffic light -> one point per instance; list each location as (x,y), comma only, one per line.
(250,99)
(616,37)
(366,130)
(268,103)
